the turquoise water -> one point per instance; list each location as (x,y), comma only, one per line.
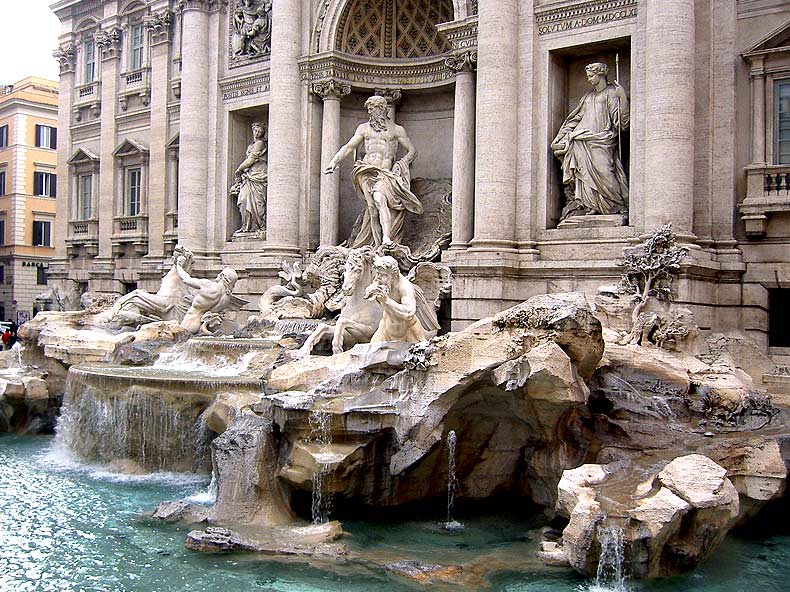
(66,527)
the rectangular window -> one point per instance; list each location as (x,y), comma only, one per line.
(44,184)
(136,47)
(2,279)
(4,136)
(42,233)
(86,189)
(46,136)
(90,61)
(2,232)
(782,122)
(41,276)
(2,182)
(133,182)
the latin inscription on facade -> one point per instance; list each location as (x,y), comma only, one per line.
(584,14)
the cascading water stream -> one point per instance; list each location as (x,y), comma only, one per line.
(17,349)
(321,435)
(610,576)
(452,482)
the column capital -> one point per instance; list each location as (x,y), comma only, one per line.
(109,43)
(393,95)
(66,56)
(465,61)
(204,5)
(159,25)
(330,89)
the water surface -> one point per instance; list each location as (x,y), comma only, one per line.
(67,527)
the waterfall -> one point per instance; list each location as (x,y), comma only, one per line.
(452,482)
(609,576)
(159,429)
(321,435)
(17,349)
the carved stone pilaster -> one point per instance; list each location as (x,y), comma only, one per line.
(66,56)
(159,25)
(331,89)
(109,43)
(462,62)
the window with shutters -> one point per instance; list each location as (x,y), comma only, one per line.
(2,182)
(86,194)
(44,184)
(4,136)
(133,187)
(46,136)
(136,47)
(42,233)
(89,61)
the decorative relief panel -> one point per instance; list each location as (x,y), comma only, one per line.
(394,28)
(583,14)
(372,74)
(250,31)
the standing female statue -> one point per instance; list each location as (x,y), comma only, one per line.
(250,181)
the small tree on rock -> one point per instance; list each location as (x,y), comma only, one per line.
(649,271)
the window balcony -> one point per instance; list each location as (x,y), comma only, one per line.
(83,234)
(767,193)
(135,83)
(85,94)
(130,230)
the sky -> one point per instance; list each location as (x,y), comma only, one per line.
(30,35)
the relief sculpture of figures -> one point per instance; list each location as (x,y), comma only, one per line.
(250,182)
(588,147)
(252,28)
(381,181)
(212,297)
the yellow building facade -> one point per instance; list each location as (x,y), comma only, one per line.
(28,189)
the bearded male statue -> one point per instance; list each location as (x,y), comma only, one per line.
(407,315)
(381,181)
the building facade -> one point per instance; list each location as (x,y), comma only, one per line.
(28,185)
(157,99)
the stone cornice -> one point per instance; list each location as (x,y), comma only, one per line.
(586,13)
(370,73)
(243,86)
(461,34)
(330,89)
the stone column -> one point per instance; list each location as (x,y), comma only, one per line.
(285,112)
(109,46)
(66,57)
(496,122)
(193,162)
(463,149)
(669,116)
(757,74)
(331,92)
(158,26)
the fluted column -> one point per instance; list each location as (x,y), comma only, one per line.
(669,116)
(496,121)
(463,149)
(757,74)
(331,92)
(193,162)
(285,112)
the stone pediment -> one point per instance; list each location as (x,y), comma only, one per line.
(130,147)
(82,155)
(777,40)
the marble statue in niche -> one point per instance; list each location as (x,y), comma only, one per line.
(249,185)
(252,28)
(381,181)
(588,146)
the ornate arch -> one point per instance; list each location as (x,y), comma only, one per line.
(332,16)
(133,6)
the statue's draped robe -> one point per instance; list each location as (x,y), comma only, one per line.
(252,192)
(592,163)
(394,185)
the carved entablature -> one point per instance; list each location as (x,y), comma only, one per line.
(462,34)
(330,89)
(244,86)
(159,24)
(370,74)
(579,14)
(250,25)
(66,55)
(109,43)
(183,5)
